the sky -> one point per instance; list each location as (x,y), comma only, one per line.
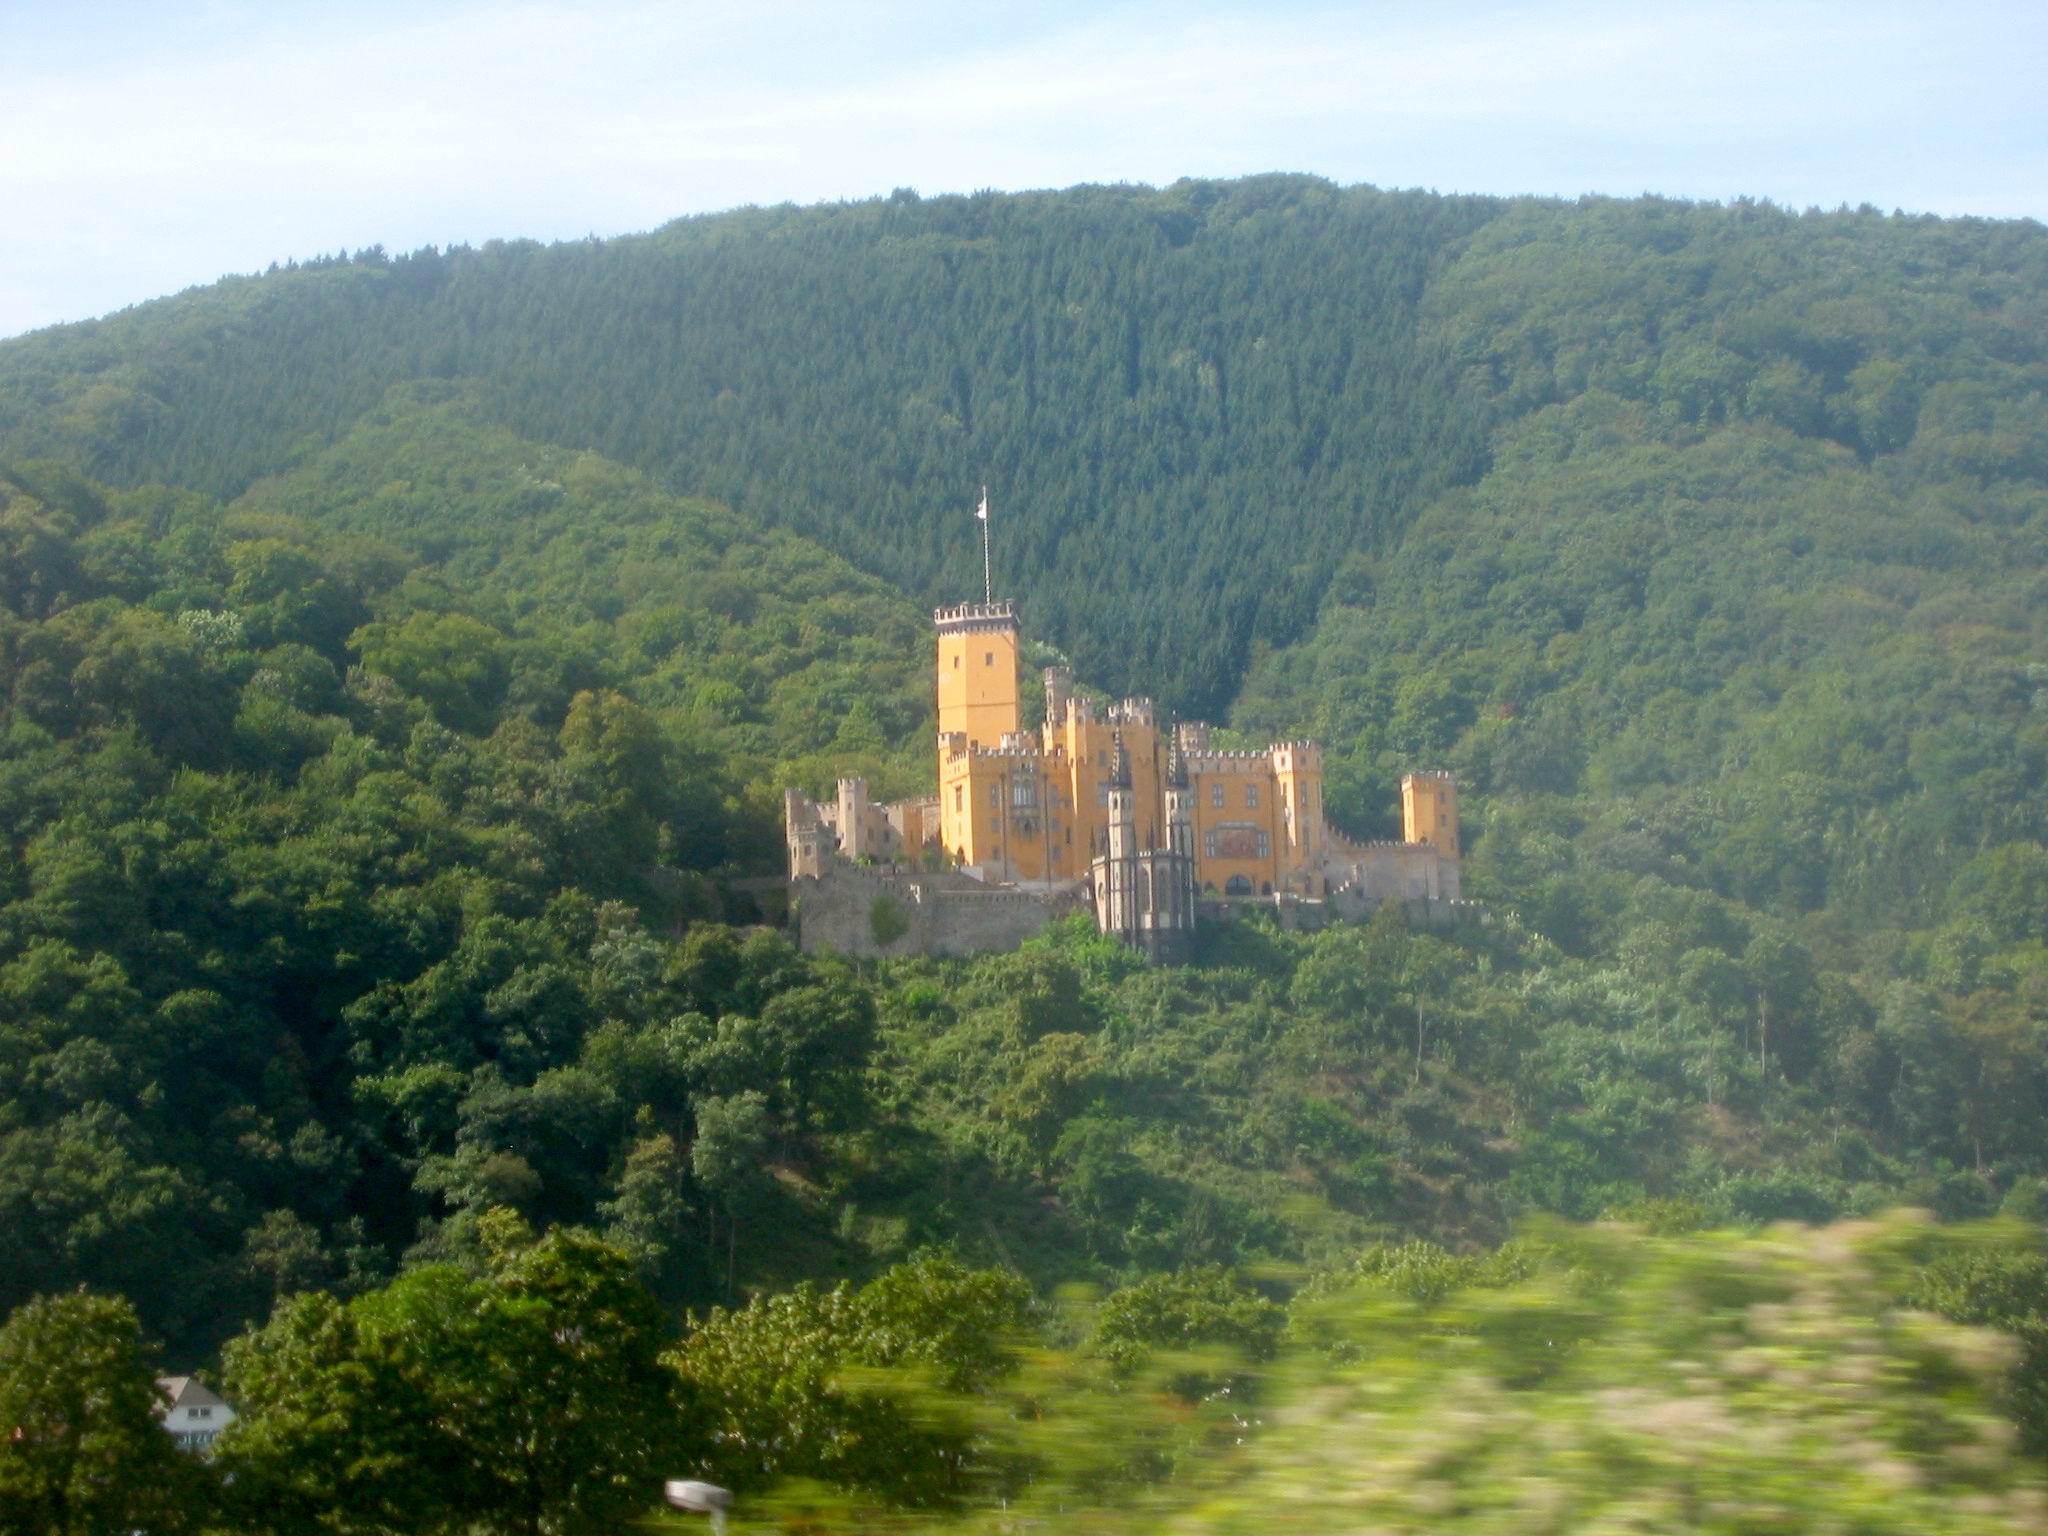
(150,145)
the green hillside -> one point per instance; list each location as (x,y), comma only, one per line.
(400,664)
(1205,390)
(303,793)
(1192,403)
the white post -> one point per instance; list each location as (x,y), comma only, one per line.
(988,586)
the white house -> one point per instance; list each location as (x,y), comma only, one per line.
(195,1415)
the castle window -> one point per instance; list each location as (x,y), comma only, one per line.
(1023,792)
(988,658)
(1102,791)
(956,661)
(1265,845)
(995,796)
(1251,797)
(959,797)
(1216,795)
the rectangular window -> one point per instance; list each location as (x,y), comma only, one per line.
(988,658)
(959,797)
(1102,758)
(1265,845)
(1251,797)
(1216,795)
(1023,792)
(1209,845)
(956,661)
(995,796)
(1102,791)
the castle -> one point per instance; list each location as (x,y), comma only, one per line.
(1107,810)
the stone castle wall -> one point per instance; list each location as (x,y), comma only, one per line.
(869,913)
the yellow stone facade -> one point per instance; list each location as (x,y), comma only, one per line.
(1024,805)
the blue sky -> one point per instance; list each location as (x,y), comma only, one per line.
(148,147)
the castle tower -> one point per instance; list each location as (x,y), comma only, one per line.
(1123,809)
(978,671)
(806,836)
(1117,912)
(1180,803)
(856,839)
(1298,772)
(1429,811)
(1059,687)
(1173,879)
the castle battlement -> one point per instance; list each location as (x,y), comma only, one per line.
(1135,711)
(1000,614)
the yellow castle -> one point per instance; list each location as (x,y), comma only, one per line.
(1105,807)
(1031,806)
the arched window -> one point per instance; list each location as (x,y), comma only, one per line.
(1265,887)
(1237,885)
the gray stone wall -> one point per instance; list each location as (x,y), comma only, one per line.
(867,913)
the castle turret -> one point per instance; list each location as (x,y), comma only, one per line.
(1298,776)
(1429,811)
(856,830)
(978,693)
(1059,687)
(1180,802)
(1123,810)
(1173,868)
(1116,872)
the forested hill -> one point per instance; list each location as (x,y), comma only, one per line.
(1190,402)
(398,658)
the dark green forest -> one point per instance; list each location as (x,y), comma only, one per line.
(402,659)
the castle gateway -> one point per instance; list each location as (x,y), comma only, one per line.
(1106,809)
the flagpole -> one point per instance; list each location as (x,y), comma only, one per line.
(988,585)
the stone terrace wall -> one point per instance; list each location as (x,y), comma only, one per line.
(926,914)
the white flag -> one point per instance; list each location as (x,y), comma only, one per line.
(982,510)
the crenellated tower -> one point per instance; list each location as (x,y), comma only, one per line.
(1429,811)
(978,690)
(1298,779)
